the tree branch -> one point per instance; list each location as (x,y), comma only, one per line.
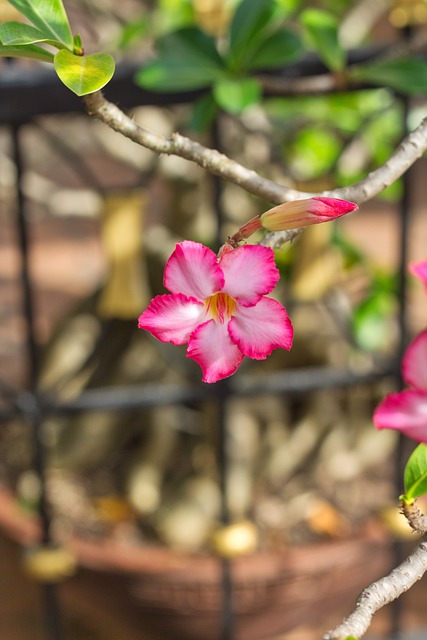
(407,152)
(380,593)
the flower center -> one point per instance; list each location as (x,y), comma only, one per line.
(220,307)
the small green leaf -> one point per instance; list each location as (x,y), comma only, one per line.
(415,475)
(188,59)
(321,29)
(279,49)
(236,94)
(133,32)
(31,51)
(408,75)
(17,33)
(246,31)
(49,16)
(84,74)
(77,45)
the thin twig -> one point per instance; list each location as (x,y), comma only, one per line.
(407,152)
(380,593)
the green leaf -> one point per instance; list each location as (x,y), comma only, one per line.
(133,32)
(48,16)
(188,59)
(203,114)
(415,474)
(84,74)
(276,50)
(370,321)
(31,51)
(321,29)
(236,94)
(18,33)
(246,31)
(408,75)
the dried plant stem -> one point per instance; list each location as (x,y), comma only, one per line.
(380,593)
(407,152)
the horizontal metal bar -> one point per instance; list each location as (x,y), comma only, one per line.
(29,91)
(148,395)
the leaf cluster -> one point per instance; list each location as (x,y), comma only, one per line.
(49,26)
(190,58)
(262,36)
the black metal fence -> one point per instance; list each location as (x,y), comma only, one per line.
(26,93)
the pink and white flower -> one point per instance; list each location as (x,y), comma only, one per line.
(406,411)
(219,307)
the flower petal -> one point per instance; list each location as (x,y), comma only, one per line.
(406,412)
(260,329)
(414,364)
(172,318)
(210,346)
(193,270)
(250,273)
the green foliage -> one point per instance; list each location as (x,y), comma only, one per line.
(50,26)
(321,30)
(191,59)
(408,75)
(335,139)
(235,94)
(203,113)
(84,74)
(17,33)
(315,150)
(188,59)
(278,49)
(370,320)
(133,32)
(247,30)
(415,475)
(31,51)
(49,17)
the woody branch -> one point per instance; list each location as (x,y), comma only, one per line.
(405,155)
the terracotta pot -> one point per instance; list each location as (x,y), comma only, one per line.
(181,596)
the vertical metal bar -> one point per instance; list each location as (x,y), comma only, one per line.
(227,611)
(227,620)
(402,320)
(28,401)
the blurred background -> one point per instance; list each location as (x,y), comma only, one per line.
(143,502)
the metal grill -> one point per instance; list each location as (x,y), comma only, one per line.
(25,94)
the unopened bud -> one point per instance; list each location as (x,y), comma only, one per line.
(301,213)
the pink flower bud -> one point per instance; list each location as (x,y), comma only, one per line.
(301,213)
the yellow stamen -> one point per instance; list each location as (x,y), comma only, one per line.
(220,307)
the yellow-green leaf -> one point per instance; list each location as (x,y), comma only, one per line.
(84,74)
